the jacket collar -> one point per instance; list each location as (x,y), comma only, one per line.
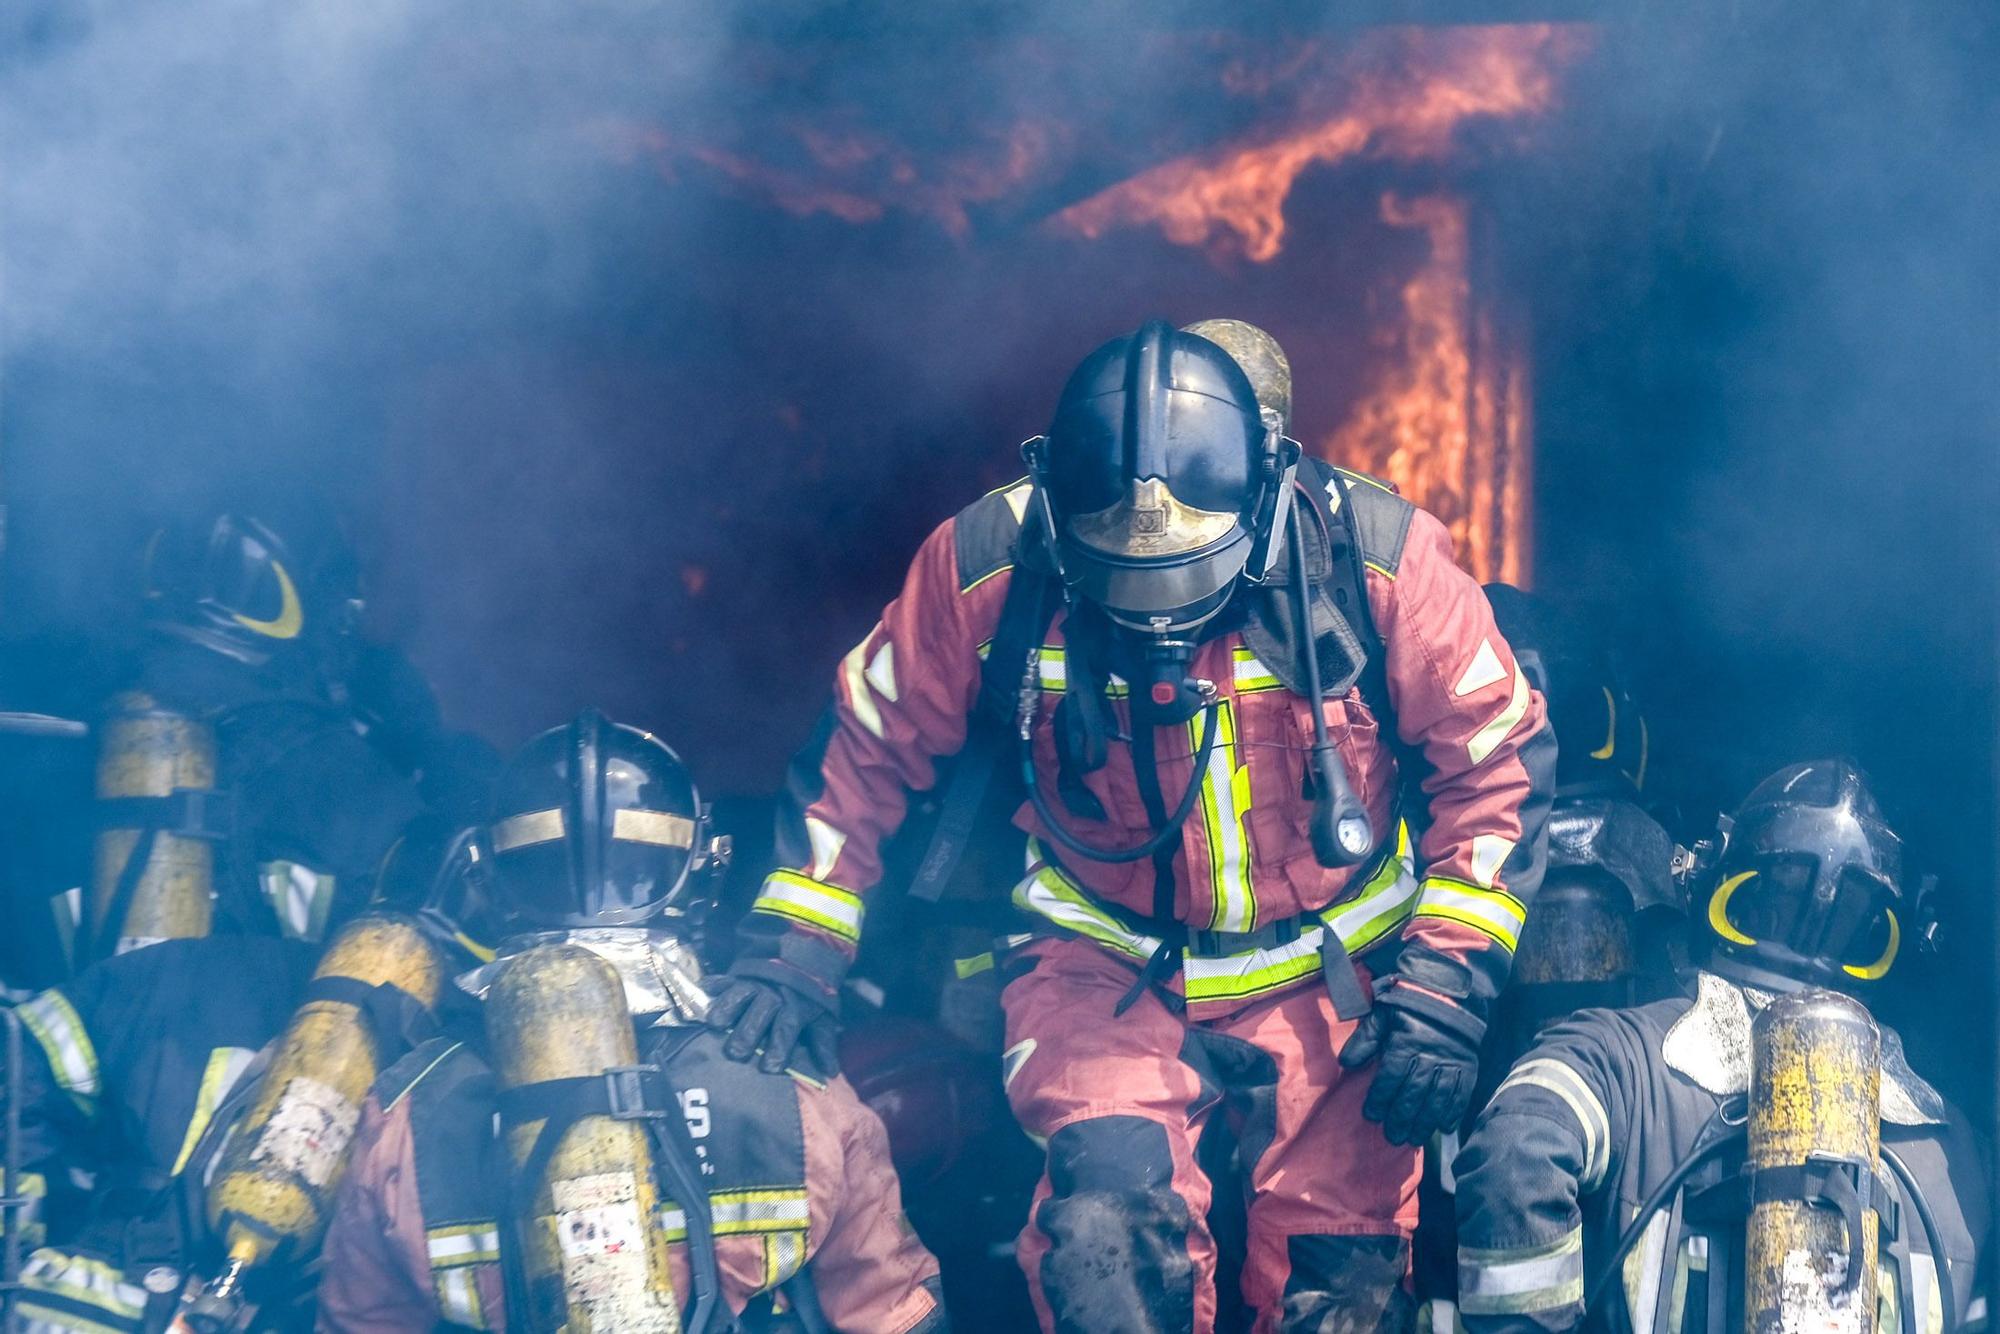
(1710,1044)
(661,973)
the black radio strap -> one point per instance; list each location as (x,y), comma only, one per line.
(1025,616)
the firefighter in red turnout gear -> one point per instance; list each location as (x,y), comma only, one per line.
(1286,788)
(600,842)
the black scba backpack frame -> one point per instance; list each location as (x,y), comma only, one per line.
(1346,653)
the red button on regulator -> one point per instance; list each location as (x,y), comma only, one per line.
(1164,693)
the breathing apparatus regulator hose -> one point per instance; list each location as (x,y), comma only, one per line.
(1933,1238)
(1657,1201)
(1211,725)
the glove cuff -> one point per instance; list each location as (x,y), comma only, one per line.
(1445,977)
(795,959)
(1403,994)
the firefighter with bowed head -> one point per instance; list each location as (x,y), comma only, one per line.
(1283,787)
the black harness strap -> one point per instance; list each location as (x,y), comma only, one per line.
(1025,616)
(1173,936)
(398,1021)
(204,813)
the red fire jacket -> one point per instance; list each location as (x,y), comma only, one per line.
(903,697)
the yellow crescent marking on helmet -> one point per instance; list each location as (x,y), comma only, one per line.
(1718,909)
(1604,752)
(291,616)
(1870,972)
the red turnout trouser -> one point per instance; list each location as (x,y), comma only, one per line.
(1117,1239)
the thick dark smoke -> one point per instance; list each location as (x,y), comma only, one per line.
(232,230)
(1767,422)
(510,284)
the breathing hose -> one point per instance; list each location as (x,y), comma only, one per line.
(1211,726)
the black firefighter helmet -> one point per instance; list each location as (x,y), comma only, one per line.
(251,588)
(1809,884)
(596,824)
(1163,478)
(1602,744)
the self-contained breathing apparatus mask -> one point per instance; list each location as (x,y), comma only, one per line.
(1804,884)
(1160,490)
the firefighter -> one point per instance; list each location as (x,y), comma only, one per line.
(1218,669)
(600,859)
(263,750)
(249,797)
(1593,1127)
(1609,925)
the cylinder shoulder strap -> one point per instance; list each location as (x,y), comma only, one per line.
(641,1093)
(397,1021)
(1379,516)
(986,533)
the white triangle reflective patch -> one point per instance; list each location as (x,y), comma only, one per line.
(1489,853)
(826,845)
(1484,671)
(1016,1057)
(882,671)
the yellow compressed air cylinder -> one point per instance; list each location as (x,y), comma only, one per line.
(1815,1087)
(277,1180)
(145,750)
(592,1248)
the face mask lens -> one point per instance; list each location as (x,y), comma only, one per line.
(1860,926)
(1771,904)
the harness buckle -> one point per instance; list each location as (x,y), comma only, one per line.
(625,1092)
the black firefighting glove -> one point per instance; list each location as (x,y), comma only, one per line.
(780,1000)
(1428,1046)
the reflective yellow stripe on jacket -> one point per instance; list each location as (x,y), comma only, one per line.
(455,1252)
(814,902)
(1225,810)
(56,1025)
(1492,912)
(1384,904)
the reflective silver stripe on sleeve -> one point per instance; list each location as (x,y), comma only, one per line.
(829,907)
(1519,1279)
(1552,1075)
(59,1029)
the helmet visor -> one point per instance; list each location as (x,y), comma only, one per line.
(1848,922)
(1182,591)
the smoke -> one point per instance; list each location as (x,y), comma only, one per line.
(1765,411)
(226,226)
(649,342)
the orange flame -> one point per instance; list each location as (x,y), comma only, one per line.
(1403,98)
(1445,418)
(1445,412)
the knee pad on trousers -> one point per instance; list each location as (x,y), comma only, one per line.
(1347,1285)
(1118,1233)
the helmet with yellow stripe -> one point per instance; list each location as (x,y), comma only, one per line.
(596,824)
(251,586)
(1809,886)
